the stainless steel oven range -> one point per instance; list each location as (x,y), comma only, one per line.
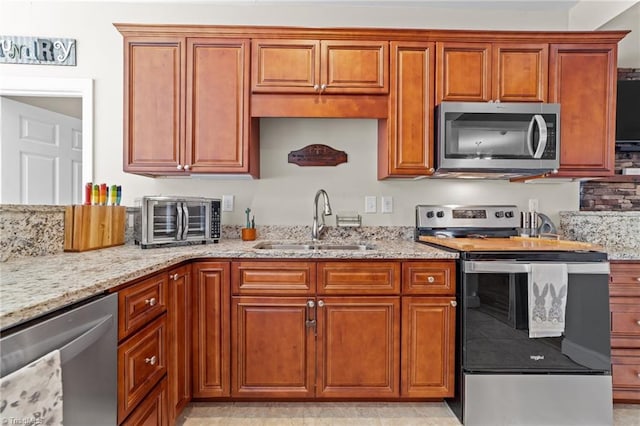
(533,325)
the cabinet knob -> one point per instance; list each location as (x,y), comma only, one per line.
(175,277)
(432,170)
(431,279)
(311,304)
(316,87)
(320,303)
(638,322)
(187,167)
(179,167)
(151,302)
(151,361)
(454,303)
(638,279)
(323,87)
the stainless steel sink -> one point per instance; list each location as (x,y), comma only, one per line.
(312,246)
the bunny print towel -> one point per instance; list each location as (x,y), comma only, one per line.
(547,299)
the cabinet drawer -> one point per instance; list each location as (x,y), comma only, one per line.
(153,410)
(141,364)
(273,277)
(625,279)
(626,375)
(140,303)
(429,278)
(625,322)
(359,278)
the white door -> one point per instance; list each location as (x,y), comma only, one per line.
(41,155)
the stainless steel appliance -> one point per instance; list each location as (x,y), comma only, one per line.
(86,336)
(503,375)
(508,139)
(161,221)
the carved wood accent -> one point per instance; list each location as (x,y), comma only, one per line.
(317,155)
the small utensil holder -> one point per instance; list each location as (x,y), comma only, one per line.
(248,234)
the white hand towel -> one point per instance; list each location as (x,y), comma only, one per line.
(33,394)
(547,299)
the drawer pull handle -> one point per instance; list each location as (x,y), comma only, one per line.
(431,279)
(151,360)
(151,302)
(454,303)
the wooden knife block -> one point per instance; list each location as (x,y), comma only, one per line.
(93,227)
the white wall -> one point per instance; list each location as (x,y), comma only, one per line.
(629,47)
(284,194)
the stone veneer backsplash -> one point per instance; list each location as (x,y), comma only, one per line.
(28,230)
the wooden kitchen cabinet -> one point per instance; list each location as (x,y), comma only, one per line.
(186,106)
(319,66)
(406,137)
(273,347)
(624,291)
(582,78)
(358,347)
(211,343)
(141,302)
(153,411)
(428,329)
(179,325)
(491,71)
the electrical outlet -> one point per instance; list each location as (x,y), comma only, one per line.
(533,204)
(227,203)
(370,204)
(387,204)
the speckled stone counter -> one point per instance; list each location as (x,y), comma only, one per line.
(618,232)
(33,286)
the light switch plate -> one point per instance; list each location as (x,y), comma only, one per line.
(227,203)
(370,204)
(387,204)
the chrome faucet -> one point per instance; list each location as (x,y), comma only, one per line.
(317,229)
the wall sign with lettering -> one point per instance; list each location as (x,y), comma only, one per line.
(37,50)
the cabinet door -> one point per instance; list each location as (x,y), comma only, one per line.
(520,72)
(179,349)
(217,108)
(625,279)
(285,66)
(428,346)
(463,72)
(406,136)
(354,66)
(153,104)
(211,329)
(358,347)
(582,78)
(274,349)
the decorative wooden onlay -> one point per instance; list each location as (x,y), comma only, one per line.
(317,155)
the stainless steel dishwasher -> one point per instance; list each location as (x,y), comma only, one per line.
(86,336)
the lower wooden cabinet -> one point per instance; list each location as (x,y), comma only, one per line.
(211,305)
(428,346)
(179,340)
(153,411)
(624,303)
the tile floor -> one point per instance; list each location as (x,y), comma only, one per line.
(342,414)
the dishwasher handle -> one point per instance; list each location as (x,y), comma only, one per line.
(496,267)
(86,339)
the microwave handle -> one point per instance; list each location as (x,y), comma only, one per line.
(185,221)
(542,125)
(180,221)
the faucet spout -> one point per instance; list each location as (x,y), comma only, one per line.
(318,225)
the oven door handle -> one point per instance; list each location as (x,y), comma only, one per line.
(494,267)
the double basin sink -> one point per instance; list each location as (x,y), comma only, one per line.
(311,246)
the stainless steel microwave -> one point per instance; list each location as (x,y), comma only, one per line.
(161,221)
(517,138)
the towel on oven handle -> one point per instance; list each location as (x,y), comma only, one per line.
(547,287)
(33,394)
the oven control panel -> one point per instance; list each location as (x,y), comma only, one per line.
(459,216)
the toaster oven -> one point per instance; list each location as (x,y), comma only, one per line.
(166,220)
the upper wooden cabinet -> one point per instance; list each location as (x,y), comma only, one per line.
(405,138)
(186,106)
(482,72)
(321,66)
(582,78)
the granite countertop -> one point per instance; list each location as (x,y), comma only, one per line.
(30,287)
